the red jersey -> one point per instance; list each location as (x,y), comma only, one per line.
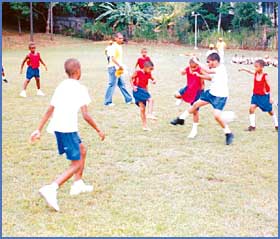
(142,79)
(142,60)
(194,85)
(34,60)
(261,87)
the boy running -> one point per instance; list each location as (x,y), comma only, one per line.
(190,93)
(141,60)
(33,60)
(139,82)
(69,97)
(261,95)
(216,95)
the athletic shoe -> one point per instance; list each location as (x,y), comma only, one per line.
(229,138)
(151,116)
(80,187)
(251,128)
(110,105)
(192,134)
(146,129)
(276,128)
(23,94)
(178,121)
(40,93)
(5,80)
(129,103)
(49,193)
(178,102)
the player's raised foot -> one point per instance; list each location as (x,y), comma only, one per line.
(192,134)
(146,129)
(49,193)
(151,116)
(251,128)
(23,94)
(177,121)
(110,105)
(5,80)
(229,138)
(40,93)
(276,128)
(80,187)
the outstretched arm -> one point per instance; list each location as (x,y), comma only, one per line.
(203,76)
(91,122)
(43,63)
(246,70)
(22,64)
(37,133)
(132,79)
(203,67)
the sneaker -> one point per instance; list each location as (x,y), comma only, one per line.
(178,102)
(192,134)
(40,93)
(5,80)
(49,193)
(110,105)
(80,187)
(151,116)
(146,129)
(23,94)
(251,128)
(129,103)
(276,128)
(178,121)
(229,138)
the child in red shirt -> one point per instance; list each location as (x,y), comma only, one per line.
(141,60)
(190,93)
(261,95)
(33,60)
(139,82)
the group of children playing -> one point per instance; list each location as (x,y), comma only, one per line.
(251,60)
(70,96)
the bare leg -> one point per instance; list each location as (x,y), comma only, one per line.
(25,84)
(37,83)
(197,105)
(218,118)
(143,114)
(150,106)
(83,151)
(196,116)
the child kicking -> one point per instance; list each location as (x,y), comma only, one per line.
(190,93)
(69,97)
(33,60)
(216,95)
(141,60)
(139,82)
(261,95)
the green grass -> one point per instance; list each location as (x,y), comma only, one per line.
(155,183)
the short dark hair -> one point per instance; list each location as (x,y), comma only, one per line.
(261,62)
(214,57)
(148,64)
(119,34)
(71,65)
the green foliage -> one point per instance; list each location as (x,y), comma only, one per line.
(97,30)
(21,8)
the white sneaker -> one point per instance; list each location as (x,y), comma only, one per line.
(23,94)
(80,187)
(151,116)
(110,105)
(40,93)
(49,193)
(146,129)
(192,134)
(178,102)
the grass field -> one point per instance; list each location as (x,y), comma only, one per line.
(155,183)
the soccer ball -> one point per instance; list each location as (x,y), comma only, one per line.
(228,116)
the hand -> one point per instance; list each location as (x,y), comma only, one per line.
(35,136)
(154,82)
(46,68)
(240,70)
(195,73)
(271,101)
(20,71)
(101,135)
(134,88)
(120,68)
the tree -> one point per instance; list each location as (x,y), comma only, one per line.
(21,11)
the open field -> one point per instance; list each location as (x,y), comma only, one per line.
(155,183)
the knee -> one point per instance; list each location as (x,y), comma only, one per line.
(217,116)
(83,150)
(251,110)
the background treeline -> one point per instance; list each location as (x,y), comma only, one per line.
(241,24)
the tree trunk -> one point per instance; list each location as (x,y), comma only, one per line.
(48,19)
(19,25)
(220,18)
(275,13)
(51,18)
(31,22)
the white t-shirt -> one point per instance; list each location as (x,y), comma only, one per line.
(219,82)
(117,52)
(67,100)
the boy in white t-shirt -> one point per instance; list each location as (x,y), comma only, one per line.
(69,97)
(216,95)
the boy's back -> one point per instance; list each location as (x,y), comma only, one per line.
(219,82)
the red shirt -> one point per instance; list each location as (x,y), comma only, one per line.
(142,79)
(34,60)
(194,85)
(142,60)
(261,87)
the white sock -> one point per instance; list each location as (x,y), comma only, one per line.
(184,115)
(275,120)
(55,185)
(194,127)
(252,118)
(178,102)
(227,130)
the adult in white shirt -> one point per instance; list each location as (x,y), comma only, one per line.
(115,55)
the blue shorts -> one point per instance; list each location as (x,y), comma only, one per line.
(197,97)
(30,73)
(262,101)
(69,143)
(141,95)
(218,103)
